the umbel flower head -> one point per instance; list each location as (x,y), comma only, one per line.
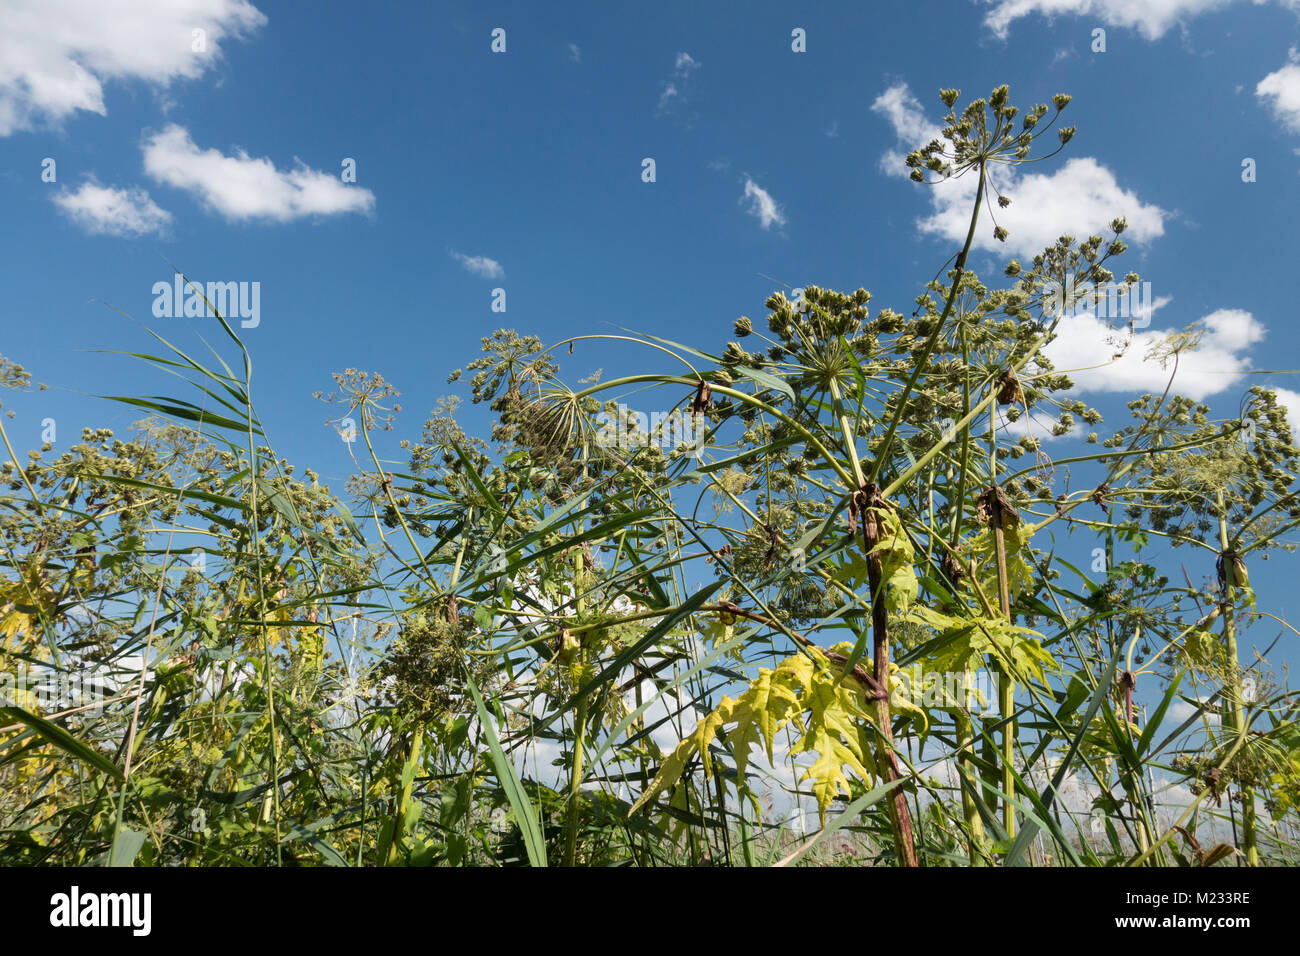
(1198,469)
(984,133)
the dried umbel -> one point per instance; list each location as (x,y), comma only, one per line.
(994,507)
(861,505)
(720,556)
(1231,568)
(773,546)
(1101,496)
(1213,781)
(703,400)
(364,393)
(951,565)
(1127,682)
(1009,390)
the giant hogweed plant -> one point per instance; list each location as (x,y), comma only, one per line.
(872,505)
(828,412)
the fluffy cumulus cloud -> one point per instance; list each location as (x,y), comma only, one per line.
(241,187)
(56,55)
(1086,349)
(480,265)
(1281,91)
(1080,198)
(104,210)
(758,202)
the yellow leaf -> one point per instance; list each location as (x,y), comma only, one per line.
(804,690)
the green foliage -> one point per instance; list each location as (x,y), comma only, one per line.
(828,711)
(495,650)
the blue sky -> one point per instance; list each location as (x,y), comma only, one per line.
(522,170)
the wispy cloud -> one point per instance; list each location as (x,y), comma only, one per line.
(104,210)
(575,54)
(912,127)
(56,55)
(480,265)
(241,187)
(674,92)
(759,203)
(1151,18)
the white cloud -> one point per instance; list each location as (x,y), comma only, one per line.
(761,205)
(1291,401)
(1151,18)
(674,88)
(1181,710)
(480,265)
(1085,348)
(56,55)
(1142,312)
(575,54)
(1037,424)
(241,187)
(905,113)
(1080,198)
(103,210)
(1282,87)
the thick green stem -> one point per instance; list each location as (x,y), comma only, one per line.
(899,816)
(580,718)
(970,811)
(965,730)
(850,438)
(575,783)
(1006,705)
(402,810)
(1006,686)
(1236,708)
